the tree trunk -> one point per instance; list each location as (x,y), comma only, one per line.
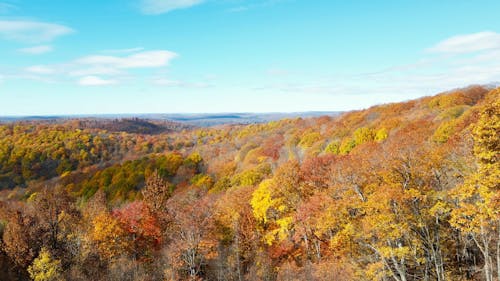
(399,265)
(483,246)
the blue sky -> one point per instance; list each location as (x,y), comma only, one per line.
(165,56)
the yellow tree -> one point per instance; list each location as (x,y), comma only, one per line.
(478,210)
(394,224)
(235,226)
(108,235)
(275,200)
(385,230)
(45,268)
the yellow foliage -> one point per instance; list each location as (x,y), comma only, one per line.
(251,177)
(454,112)
(452,99)
(479,204)
(444,131)
(32,197)
(362,135)
(309,139)
(333,147)
(439,209)
(381,135)
(343,239)
(375,271)
(261,201)
(346,146)
(283,226)
(108,235)
(203,181)
(45,268)
(194,158)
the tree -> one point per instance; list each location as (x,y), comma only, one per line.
(235,227)
(362,135)
(156,192)
(109,236)
(45,267)
(192,224)
(333,147)
(478,210)
(56,212)
(141,226)
(22,238)
(312,226)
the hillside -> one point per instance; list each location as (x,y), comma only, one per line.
(402,191)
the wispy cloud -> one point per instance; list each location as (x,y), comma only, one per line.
(165,82)
(455,62)
(94,70)
(40,69)
(123,51)
(139,60)
(155,7)
(468,43)
(97,70)
(95,81)
(37,50)
(32,31)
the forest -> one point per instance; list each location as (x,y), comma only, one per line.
(401,191)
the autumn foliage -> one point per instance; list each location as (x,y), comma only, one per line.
(404,191)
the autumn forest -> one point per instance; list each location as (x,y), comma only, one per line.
(402,191)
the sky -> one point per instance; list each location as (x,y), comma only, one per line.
(60,57)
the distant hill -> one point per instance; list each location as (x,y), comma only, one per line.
(194,119)
(132,125)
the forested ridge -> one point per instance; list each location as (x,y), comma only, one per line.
(403,191)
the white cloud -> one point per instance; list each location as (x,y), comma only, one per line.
(40,69)
(139,60)
(155,7)
(32,31)
(95,70)
(37,50)
(95,81)
(93,67)
(459,63)
(165,82)
(123,51)
(468,43)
